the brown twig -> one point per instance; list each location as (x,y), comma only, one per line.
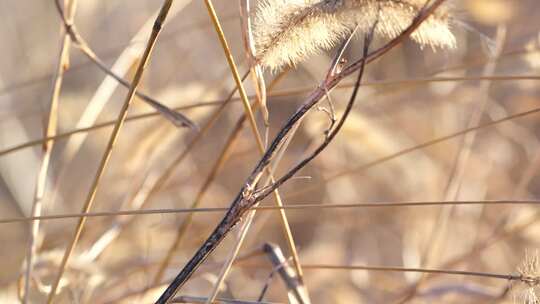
(216,167)
(248,196)
(261,97)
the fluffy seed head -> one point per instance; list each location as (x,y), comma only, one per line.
(288,31)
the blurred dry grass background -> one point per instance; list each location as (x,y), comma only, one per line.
(188,68)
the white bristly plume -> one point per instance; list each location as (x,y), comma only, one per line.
(288,31)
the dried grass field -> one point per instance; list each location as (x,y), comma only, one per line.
(373,151)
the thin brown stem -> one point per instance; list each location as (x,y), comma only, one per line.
(281,93)
(301,206)
(507,277)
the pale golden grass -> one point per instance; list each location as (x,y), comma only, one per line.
(379,184)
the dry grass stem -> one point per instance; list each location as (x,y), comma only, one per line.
(50,131)
(108,150)
(280,93)
(440,231)
(292,206)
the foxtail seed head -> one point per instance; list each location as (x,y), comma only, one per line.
(288,31)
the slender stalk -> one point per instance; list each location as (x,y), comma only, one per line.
(50,131)
(506,277)
(270,94)
(440,230)
(108,150)
(302,206)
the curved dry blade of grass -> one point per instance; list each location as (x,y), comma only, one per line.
(108,150)
(286,273)
(176,118)
(50,131)
(109,85)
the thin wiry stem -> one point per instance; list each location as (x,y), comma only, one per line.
(108,150)
(438,234)
(270,94)
(416,148)
(302,206)
(474,62)
(50,131)
(507,277)
(498,235)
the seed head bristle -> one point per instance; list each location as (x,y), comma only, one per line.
(531,265)
(288,31)
(530,273)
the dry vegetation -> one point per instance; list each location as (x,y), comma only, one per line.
(426,195)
